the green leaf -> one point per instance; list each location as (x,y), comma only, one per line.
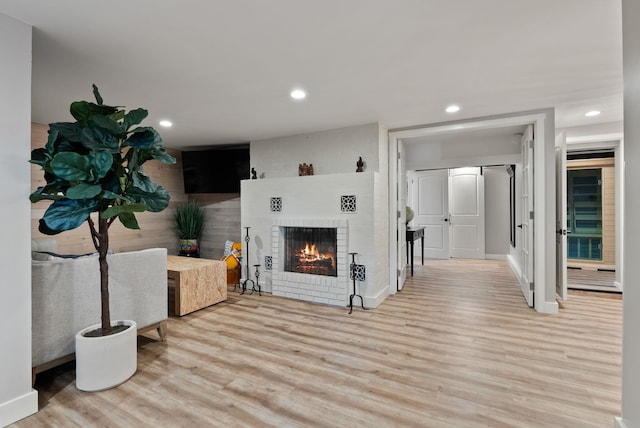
(99,139)
(66,214)
(115,197)
(83,191)
(96,93)
(143,182)
(135,117)
(101,163)
(70,166)
(83,111)
(119,209)
(39,156)
(156,201)
(51,140)
(69,131)
(129,220)
(108,124)
(161,155)
(49,193)
(142,138)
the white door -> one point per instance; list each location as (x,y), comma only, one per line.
(402,191)
(466,208)
(526,268)
(430,202)
(561,216)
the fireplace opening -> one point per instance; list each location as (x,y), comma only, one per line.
(310,250)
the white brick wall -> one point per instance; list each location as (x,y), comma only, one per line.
(314,288)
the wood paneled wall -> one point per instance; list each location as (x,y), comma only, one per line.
(155,228)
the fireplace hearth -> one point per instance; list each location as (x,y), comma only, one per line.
(310,250)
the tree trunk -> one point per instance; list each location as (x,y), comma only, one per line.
(103,248)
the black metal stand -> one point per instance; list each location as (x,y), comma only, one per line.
(352,269)
(259,289)
(246,260)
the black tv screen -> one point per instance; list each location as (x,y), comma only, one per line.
(216,170)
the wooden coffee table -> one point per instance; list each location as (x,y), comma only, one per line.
(196,283)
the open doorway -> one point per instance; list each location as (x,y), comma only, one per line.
(538,280)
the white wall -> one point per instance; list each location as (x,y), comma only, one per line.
(462,152)
(381,220)
(17,398)
(496,203)
(631,312)
(331,152)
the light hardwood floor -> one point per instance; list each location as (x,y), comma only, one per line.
(456,348)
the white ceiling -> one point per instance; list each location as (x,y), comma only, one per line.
(222,70)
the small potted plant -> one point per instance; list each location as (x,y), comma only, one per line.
(188,222)
(93,166)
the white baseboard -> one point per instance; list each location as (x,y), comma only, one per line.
(18,408)
(550,308)
(618,422)
(495,256)
(374,301)
(514,266)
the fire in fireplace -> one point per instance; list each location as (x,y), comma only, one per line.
(310,250)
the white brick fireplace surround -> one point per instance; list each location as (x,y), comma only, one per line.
(313,288)
(344,201)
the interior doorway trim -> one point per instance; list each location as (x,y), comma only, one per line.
(544,235)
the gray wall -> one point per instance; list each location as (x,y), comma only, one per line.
(496,203)
(17,399)
(631,320)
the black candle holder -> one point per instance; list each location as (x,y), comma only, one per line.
(259,289)
(357,273)
(247,239)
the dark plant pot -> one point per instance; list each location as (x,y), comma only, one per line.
(189,248)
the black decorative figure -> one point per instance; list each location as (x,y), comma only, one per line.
(254,174)
(359,165)
(352,269)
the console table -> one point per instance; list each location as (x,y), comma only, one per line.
(414,233)
(195,283)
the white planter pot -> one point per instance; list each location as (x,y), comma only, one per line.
(106,361)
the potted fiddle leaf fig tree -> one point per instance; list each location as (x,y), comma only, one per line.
(93,173)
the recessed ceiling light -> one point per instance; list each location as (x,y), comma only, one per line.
(166,123)
(452,108)
(298,94)
(592,113)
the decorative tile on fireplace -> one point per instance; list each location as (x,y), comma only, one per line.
(268,262)
(276,204)
(348,204)
(358,271)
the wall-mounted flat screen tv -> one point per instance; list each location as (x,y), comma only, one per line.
(215,170)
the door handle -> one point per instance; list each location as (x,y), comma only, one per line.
(561,232)
(519,226)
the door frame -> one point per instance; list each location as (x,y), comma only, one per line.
(544,193)
(613,141)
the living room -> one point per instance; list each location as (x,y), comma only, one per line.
(18,218)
